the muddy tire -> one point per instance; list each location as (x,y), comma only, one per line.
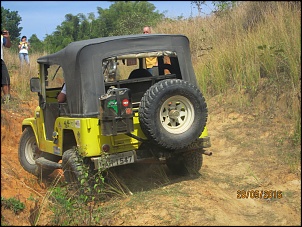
(77,171)
(71,166)
(173,113)
(188,163)
(28,152)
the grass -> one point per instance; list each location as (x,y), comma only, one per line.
(12,204)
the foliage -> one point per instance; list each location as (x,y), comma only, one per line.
(12,204)
(122,18)
(68,210)
(75,203)
(198,5)
(10,20)
(128,17)
(35,44)
(221,6)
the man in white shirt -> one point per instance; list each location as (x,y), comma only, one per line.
(62,95)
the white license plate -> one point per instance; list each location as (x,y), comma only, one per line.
(114,160)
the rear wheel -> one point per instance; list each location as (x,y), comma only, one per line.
(77,170)
(187,163)
(71,166)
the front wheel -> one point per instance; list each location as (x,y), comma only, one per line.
(28,152)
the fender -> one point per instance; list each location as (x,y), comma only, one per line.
(31,122)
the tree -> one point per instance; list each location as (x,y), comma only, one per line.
(198,4)
(128,17)
(35,44)
(222,7)
(122,18)
(10,20)
(70,27)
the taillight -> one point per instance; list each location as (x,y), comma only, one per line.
(105,147)
(125,102)
(128,111)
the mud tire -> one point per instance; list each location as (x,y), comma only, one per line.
(71,166)
(78,171)
(173,113)
(28,152)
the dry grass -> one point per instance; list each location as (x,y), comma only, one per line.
(20,76)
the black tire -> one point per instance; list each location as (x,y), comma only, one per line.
(77,169)
(28,152)
(187,163)
(173,113)
(71,166)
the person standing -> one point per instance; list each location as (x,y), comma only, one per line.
(23,50)
(151,62)
(5,79)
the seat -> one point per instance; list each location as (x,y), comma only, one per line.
(138,73)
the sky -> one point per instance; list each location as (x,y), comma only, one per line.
(42,17)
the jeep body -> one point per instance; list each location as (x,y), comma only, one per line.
(116,112)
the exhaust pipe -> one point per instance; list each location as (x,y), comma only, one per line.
(209,153)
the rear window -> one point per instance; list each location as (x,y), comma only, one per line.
(130,66)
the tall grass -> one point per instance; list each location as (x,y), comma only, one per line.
(20,75)
(225,49)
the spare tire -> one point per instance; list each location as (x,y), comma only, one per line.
(173,113)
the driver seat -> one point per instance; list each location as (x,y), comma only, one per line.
(138,73)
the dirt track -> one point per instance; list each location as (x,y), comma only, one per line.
(244,158)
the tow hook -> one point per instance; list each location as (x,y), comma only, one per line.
(209,153)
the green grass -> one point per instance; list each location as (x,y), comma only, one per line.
(12,204)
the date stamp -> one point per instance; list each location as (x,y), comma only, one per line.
(259,194)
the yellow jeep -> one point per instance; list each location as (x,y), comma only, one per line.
(116,112)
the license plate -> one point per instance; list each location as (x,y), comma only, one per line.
(114,160)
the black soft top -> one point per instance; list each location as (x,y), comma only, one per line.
(82,64)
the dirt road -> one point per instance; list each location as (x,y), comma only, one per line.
(245,156)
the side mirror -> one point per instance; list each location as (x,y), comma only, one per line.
(35,84)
